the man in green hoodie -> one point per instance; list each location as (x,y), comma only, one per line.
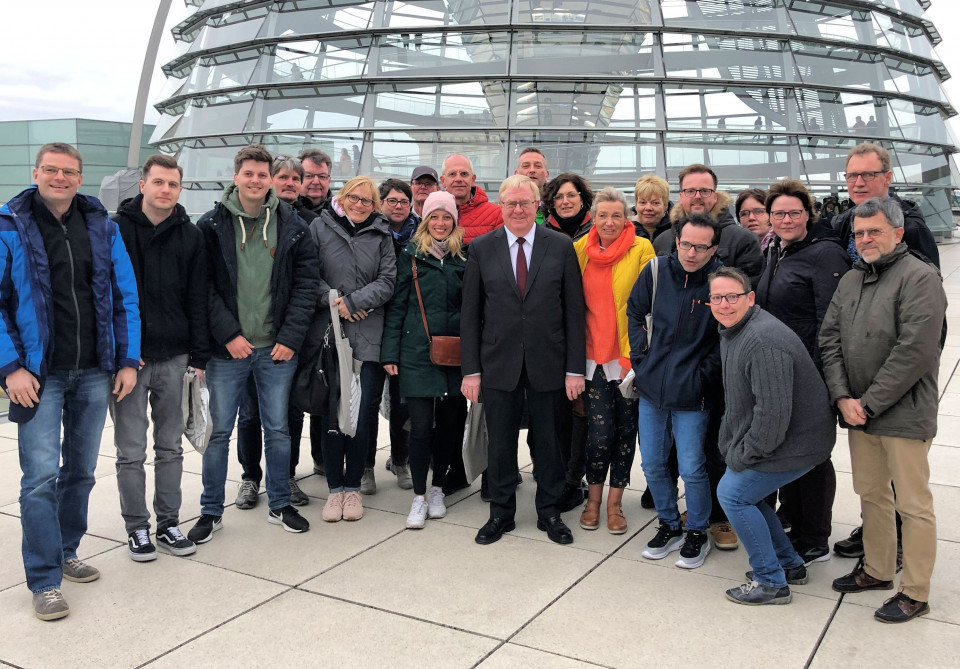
(263,273)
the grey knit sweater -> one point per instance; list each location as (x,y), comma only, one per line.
(778,414)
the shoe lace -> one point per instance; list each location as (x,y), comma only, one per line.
(143,537)
(50,596)
(663,533)
(747,588)
(248,488)
(351,500)
(419,506)
(436,496)
(175,532)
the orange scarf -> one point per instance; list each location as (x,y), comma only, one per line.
(603,342)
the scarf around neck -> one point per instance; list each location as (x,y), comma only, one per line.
(603,340)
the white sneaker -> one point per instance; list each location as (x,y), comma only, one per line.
(435,506)
(418,513)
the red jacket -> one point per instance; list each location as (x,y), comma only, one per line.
(478,216)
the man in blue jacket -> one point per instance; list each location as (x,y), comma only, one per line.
(68,322)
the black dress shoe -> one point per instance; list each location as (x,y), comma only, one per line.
(572,498)
(494,529)
(555,529)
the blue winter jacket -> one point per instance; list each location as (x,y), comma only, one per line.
(681,370)
(26,301)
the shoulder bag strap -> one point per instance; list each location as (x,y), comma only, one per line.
(416,284)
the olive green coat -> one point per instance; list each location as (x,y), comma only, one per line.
(404,340)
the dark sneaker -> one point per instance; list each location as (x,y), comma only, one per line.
(203,531)
(795,575)
(858,580)
(811,554)
(852,546)
(248,494)
(171,539)
(297,496)
(79,572)
(50,605)
(141,548)
(665,542)
(900,609)
(290,518)
(694,551)
(754,594)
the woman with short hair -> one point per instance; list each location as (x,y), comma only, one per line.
(566,202)
(651,198)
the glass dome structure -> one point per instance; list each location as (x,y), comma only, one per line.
(611,89)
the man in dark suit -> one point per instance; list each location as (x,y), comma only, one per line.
(522,336)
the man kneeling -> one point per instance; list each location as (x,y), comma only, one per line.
(778,425)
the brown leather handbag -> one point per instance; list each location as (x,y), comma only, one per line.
(444,351)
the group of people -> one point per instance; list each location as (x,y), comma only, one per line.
(725,351)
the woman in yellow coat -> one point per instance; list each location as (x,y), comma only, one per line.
(611,256)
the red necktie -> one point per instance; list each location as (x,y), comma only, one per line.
(521,267)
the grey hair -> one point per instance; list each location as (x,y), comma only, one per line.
(610,194)
(289,163)
(889,207)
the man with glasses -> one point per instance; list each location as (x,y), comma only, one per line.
(476,214)
(263,273)
(678,380)
(880,344)
(532,163)
(315,189)
(522,337)
(868,175)
(423,181)
(69,320)
(738,246)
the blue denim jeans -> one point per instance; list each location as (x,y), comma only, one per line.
(689,430)
(350,453)
(227,381)
(53,497)
(768,548)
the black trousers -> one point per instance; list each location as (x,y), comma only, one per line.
(502,410)
(436,431)
(399,435)
(808,504)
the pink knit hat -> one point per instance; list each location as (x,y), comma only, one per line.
(443,201)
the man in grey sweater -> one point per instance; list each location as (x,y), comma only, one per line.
(777,425)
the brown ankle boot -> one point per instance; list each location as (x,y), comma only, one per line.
(616,523)
(590,518)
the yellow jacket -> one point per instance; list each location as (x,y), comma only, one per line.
(624,275)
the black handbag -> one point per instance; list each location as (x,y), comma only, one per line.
(317,380)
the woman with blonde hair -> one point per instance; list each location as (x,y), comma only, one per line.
(426,304)
(652,204)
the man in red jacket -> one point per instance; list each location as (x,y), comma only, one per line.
(477,215)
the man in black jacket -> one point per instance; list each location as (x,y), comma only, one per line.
(315,186)
(262,277)
(169,261)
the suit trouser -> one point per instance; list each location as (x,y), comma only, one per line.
(502,410)
(876,460)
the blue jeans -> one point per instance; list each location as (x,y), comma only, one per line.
(689,430)
(53,497)
(227,381)
(341,451)
(742,497)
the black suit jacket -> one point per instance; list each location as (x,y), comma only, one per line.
(499,331)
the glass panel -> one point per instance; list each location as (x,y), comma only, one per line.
(823,19)
(901,36)
(395,154)
(836,113)
(907,6)
(93,154)
(454,105)
(41,132)
(760,15)
(430,55)
(728,108)
(18,155)
(209,76)
(312,60)
(921,122)
(214,119)
(589,12)
(13,132)
(295,19)
(546,52)
(229,29)
(103,132)
(589,105)
(331,109)
(741,157)
(721,57)
(912,163)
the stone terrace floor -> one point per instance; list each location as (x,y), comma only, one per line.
(373,594)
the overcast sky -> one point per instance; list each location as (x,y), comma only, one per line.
(82,58)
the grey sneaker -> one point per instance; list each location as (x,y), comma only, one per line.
(402,472)
(368,484)
(248,494)
(754,594)
(694,551)
(297,496)
(50,605)
(665,542)
(79,572)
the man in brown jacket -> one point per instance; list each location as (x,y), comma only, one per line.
(880,342)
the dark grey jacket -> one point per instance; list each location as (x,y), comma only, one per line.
(778,416)
(362,268)
(881,340)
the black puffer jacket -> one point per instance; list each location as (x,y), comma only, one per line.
(170,263)
(798,283)
(294,280)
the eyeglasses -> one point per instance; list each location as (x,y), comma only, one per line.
(560,197)
(852,177)
(423,183)
(366,202)
(513,204)
(699,248)
(309,176)
(68,172)
(731,299)
(702,192)
(795,214)
(872,233)
(757,213)
(394,202)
